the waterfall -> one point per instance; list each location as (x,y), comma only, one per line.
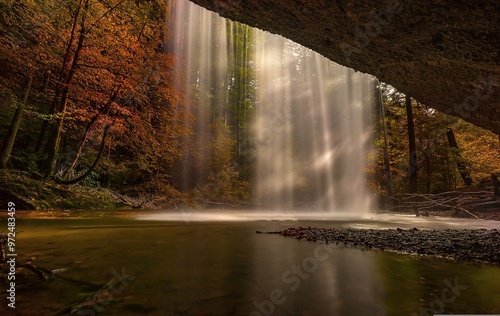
(311,118)
(197,39)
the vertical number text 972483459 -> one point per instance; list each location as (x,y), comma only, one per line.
(8,253)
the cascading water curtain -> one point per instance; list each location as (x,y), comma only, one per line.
(313,125)
(301,122)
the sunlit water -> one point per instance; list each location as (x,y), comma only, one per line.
(213,263)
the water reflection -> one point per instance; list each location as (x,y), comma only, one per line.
(224,268)
(319,280)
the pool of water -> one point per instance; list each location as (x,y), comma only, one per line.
(213,263)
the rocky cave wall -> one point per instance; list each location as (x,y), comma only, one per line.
(442,53)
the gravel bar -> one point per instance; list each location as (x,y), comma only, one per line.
(457,244)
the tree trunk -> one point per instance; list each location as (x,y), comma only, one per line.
(496,185)
(413,167)
(428,166)
(63,77)
(87,173)
(388,175)
(14,126)
(46,81)
(87,131)
(462,168)
(54,140)
(79,151)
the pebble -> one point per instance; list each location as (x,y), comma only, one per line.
(458,244)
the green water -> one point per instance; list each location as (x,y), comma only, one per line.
(225,268)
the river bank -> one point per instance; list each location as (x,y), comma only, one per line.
(33,194)
(457,244)
(29,193)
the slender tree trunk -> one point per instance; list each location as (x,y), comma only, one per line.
(79,151)
(46,81)
(496,185)
(462,168)
(413,168)
(388,174)
(53,143)
(428,165)
(54,140)
(63,76)
(86,134)
(14,126)
(96,161)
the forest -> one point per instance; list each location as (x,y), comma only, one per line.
(90,100)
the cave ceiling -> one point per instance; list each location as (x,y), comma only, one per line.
(442,53)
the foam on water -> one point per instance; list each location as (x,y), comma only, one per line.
(323,219)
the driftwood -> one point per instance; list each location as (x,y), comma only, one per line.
(134,203)
(467,202)
(41,274)
(103,294)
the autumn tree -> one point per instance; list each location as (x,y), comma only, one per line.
(102,84)
(436,160)
(28,46)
